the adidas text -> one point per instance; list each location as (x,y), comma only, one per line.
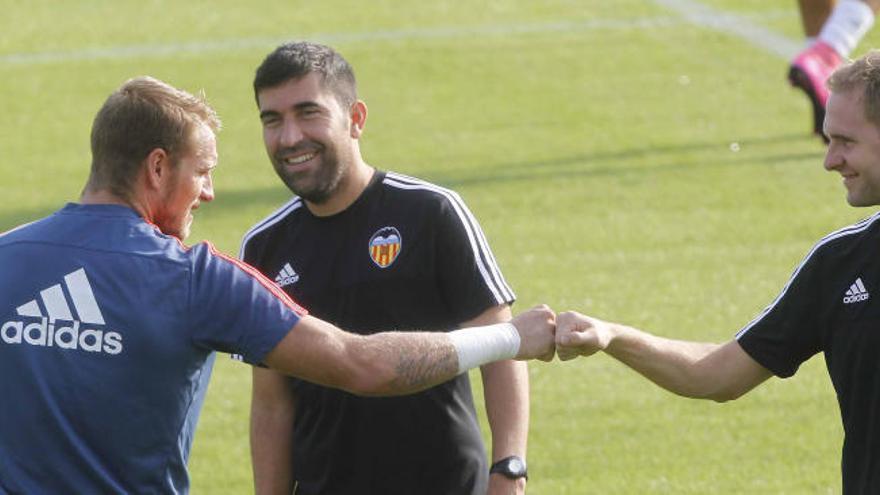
(42,333)
(288,280)
(855,298)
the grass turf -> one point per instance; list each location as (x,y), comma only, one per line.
(622,162)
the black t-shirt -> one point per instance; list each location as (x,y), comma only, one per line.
(832,305)
(405,255)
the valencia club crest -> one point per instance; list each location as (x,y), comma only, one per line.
(385,245)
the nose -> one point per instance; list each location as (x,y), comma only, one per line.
(291,134)
(833,158)
(207,193)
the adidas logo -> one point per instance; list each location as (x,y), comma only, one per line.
(79,334)
(856,293)
(286,276)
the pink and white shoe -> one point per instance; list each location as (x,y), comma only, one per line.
(809,70)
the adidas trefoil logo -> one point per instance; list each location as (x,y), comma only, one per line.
(856,293)
(83,332)
(286,276)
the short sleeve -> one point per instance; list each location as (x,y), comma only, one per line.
(249,249)
(789,331)
(235,309)
(468,273)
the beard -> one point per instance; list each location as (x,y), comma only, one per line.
(317,185)
(175,217)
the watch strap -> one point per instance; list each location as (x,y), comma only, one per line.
(513,467)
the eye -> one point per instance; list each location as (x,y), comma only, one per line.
(309,111)
(842,141)
(270,120)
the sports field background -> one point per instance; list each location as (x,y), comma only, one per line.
(624,159)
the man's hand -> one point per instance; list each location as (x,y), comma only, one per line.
(580,335)
(536,329)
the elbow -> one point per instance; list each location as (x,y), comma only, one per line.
(367,378)
(722,398)
(705,386)
(718,395)
(368,385)
(363,386)
(724,394)
(718,382)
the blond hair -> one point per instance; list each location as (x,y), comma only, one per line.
(861,74)
(142,115)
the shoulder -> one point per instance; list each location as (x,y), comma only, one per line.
(42,227)
(15,232)
(849,243)
(269,224)
(204,257)
(420,193)
(415,187)
(209,263)
(833,254)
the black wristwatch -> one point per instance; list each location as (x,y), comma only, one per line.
(513,467)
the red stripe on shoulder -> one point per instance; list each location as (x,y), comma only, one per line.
(253,272)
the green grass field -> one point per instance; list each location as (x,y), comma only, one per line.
(623,161)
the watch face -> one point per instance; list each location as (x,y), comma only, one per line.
(511,467)
(516,466)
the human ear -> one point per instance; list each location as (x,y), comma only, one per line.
(358,117)
(157,168)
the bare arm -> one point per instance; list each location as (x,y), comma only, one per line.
(506,393)
(720,372)
(273,409)
(390,363)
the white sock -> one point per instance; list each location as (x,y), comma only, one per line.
(848,23)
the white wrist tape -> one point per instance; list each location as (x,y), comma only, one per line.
(477,346)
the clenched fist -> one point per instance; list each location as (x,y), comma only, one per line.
(580,335)
(536,328)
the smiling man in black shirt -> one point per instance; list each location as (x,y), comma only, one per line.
(373,251)
(830,305)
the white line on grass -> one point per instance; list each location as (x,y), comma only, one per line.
(196,48)
(737,25)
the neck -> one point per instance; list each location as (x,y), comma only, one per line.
(91,196)
(350,188)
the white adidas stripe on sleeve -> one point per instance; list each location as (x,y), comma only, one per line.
(486,263)
(269,221)
(846,231)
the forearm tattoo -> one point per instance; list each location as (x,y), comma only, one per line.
(423,364)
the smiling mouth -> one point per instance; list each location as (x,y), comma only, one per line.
(296,160)
(848,181)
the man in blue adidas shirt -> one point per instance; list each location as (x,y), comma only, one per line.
(830,305)
(108,322)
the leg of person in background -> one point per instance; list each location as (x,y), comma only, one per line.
(814,13)
(833,30)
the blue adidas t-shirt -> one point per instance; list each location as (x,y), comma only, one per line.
(107,333)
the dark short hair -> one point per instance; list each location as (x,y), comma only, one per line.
(142,115)
(298,59)
(861,74)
